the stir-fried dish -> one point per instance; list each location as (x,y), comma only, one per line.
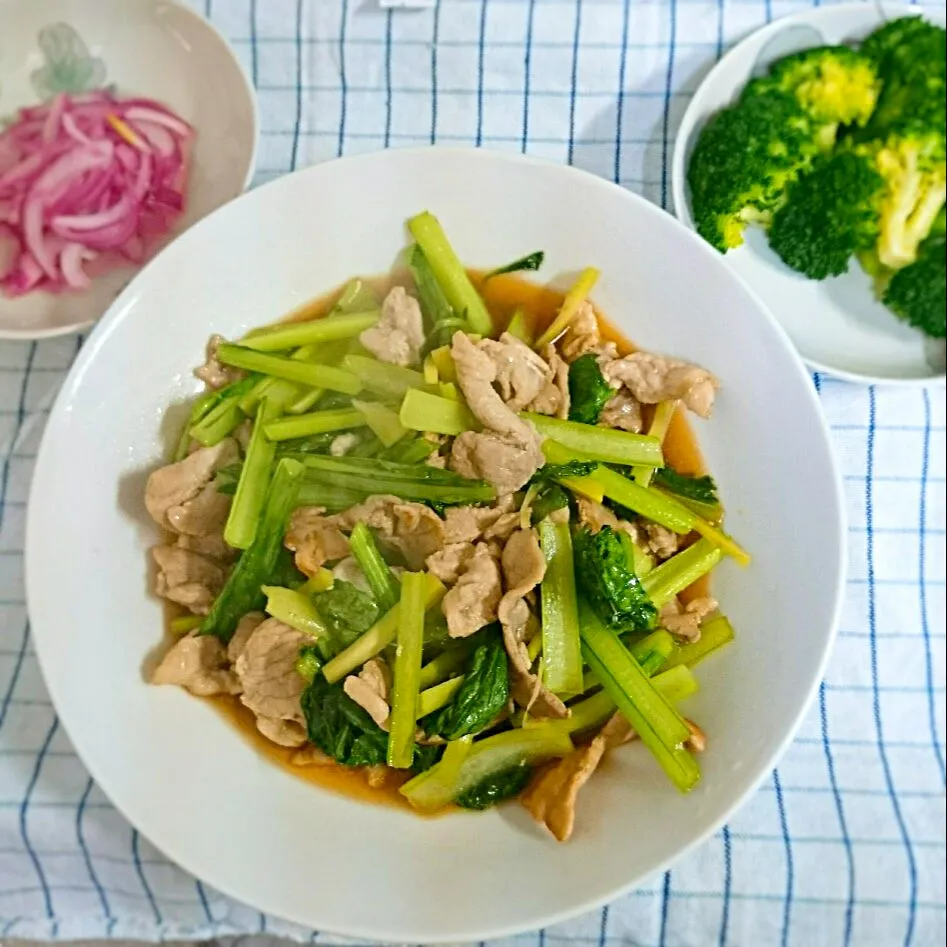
(450,557)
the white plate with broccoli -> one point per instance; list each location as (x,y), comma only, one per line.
(820,174)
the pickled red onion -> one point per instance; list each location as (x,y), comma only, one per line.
(87,178)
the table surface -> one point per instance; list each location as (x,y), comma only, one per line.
(845,843)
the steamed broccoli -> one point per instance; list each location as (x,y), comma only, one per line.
(835,85)
(606,577)
(915,175)
(830,214)
(910,57)
(918,293)
(589,392)
(743,161)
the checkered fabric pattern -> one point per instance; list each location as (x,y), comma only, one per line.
(845,843)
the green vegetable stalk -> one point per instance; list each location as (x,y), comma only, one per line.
(683,569)
(445,782)
(243,591)
(660,423)
(316,422)
(380,378)
(588,442)
(660,727)
(450,661)
(450,272)
(244,515)
(381,579)
(423,411)
(439,696)
(295,609)
(305,373)
(714,634)
(379,636)
(290,335)
(201,406)
(221,413)
(664,509)
(382,420)
(407,670)
(562,648)
(372,476)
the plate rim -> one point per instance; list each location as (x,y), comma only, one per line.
(116,312)
(36,335)
(809,17)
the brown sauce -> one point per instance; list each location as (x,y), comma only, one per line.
(503,296)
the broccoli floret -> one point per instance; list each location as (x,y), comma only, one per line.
(894,34)
(588,390)
(835,85)
(918,293)
(831,213)
(743,161)
(913,166)
(607,578)
(911,61)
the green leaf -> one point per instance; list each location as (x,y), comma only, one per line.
(606,575)
(343,730)
(589,392)
(529,263)
(702,489)
(482,696)
(347,611)
(496,787)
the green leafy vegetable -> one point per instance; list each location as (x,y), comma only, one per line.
(482,696)
(407,670)
(496,787)
(241,525)
(339,727)
(697,493)
(589,392)
(308,663)
(450,273)
(550,498)
(562,651)
(347,611)
(606,444)
(305,373)
(380,578)
(660,727)
(343,730)
(434,304)
(606,577)
(531,262)
(289,335)
(243,590)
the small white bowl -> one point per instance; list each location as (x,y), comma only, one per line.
(161,50)
(294,850)
(837,325)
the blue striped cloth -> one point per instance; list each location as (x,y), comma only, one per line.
(845,843)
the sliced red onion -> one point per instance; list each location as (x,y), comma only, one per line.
(86,179)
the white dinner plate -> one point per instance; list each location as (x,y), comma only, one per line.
(837,325)
(254,831)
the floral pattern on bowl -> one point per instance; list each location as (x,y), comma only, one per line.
(69,66)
